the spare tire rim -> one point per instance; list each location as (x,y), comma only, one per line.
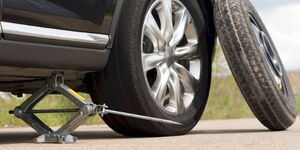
(170,55)
(270,55)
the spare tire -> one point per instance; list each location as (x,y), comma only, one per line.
(255,63)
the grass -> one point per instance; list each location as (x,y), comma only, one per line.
(225,101)
(54,101)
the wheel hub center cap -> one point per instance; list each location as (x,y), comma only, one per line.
(169,56)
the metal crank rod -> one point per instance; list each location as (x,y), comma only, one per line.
(84,110)
(106,111)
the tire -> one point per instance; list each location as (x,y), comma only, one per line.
(255,63)
(123,86)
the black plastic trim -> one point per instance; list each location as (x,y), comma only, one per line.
(29,55)
(115,23)
(207,10)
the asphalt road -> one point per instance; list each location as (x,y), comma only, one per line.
(240,134)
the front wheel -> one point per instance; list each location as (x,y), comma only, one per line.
(159,66)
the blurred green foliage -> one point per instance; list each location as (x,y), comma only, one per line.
(53,101)
(225,100)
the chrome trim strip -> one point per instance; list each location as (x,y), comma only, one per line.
(1,30)
(57,34)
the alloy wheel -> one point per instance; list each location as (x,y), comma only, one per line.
(170,55)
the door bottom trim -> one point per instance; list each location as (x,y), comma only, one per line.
(53,34)
(40,56)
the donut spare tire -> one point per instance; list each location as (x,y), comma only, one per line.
(255,63)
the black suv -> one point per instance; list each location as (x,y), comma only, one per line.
(149,57)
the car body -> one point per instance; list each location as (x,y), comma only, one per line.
(75,37)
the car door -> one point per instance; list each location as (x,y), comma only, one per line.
(58,22)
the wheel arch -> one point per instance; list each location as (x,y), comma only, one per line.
(207,7)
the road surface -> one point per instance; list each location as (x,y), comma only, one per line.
(239,134)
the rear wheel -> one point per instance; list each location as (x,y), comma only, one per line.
(159,67)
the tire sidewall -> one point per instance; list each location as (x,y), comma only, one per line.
(289,99)
(194,112)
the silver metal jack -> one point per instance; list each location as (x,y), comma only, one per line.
(85,109)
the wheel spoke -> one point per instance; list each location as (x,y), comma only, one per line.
(257,32)
(153,32)
(170,36)
(188,81)
(152,60)
(256,29)
(186,51)
(165,15)
(159,87)
(182,19)
(175,92)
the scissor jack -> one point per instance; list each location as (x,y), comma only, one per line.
(85,109)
